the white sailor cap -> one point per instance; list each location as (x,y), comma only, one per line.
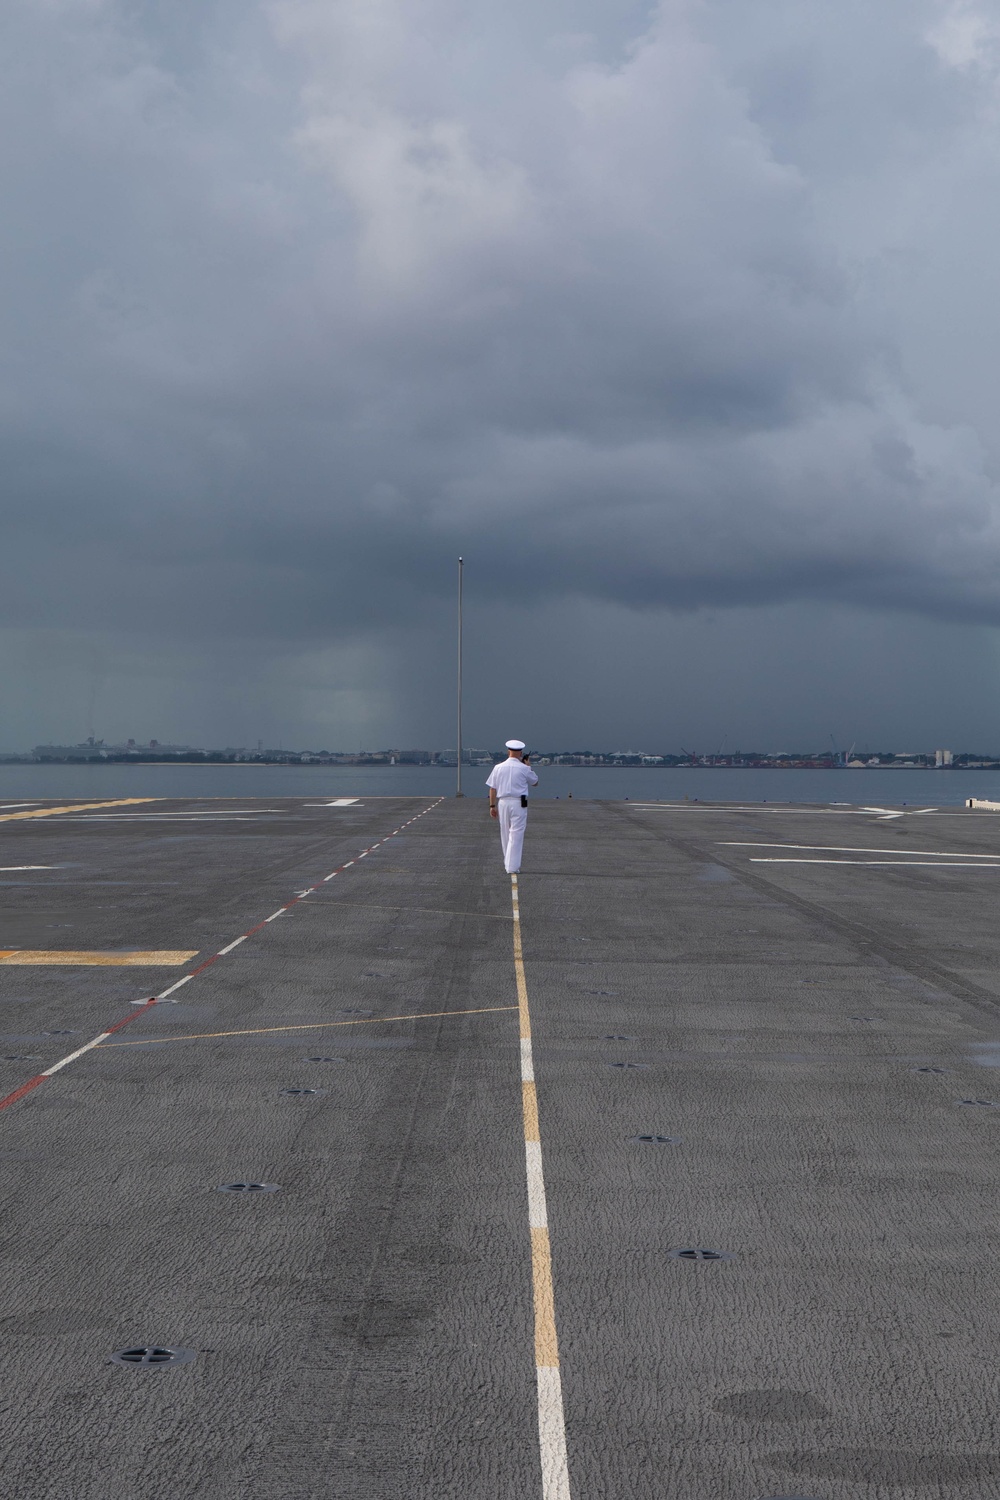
(515,745)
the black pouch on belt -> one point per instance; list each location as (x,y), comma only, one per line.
(524,801)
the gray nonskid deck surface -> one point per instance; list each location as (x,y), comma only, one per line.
(367,1330)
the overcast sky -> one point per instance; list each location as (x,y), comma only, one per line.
(679,321)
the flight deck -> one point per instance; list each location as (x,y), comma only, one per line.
(336,1166)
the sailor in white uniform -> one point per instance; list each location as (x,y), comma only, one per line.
(509,784)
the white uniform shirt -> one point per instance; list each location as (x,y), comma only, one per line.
(512,778)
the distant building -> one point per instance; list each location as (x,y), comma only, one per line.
(943,758)
(89,750)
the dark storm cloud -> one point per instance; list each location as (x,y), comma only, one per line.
(302,296)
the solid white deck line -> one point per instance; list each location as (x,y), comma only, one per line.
(850,849)
(838,811)
(884,864)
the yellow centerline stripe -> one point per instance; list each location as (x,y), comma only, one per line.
(522,986)
(551,1416)
(50,812)
(194,1036)
(546,1348)
(529,1105)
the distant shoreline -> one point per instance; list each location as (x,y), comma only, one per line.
(377,765)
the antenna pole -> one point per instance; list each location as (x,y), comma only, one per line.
(458,786)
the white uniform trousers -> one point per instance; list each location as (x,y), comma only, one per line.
(513,819)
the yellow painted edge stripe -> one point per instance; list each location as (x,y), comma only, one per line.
(546,1342)
(50,812)
(522,987)
(159,957)
(529,1104)
(546,1347)
(551,1415)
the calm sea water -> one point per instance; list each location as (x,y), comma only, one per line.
(872,788)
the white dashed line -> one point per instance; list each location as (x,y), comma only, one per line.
(164,993)
(140,1005)
(87,1047)
(230,946)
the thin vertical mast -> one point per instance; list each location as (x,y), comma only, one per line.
(458,787)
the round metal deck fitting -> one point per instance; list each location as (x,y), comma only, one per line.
(699,1254)
(302,1091)
(249,1187)
(978,1103)
(657,1140)
(635,1065)
(326,1059)
(153,1357)
(929,1070)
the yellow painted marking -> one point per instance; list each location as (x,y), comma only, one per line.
(50,812)
(529,1102)
(522,987)
(546,1347)
(551,1416)
(430,1015)
(156,957)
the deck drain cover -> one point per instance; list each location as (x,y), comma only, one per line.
(979,1103)
(657,1140)
(249,1187)
(637,1066)
(930,1070)
(153,1357)
(699,1254)
(303,1091)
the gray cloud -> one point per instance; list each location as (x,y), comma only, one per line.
(662,309)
